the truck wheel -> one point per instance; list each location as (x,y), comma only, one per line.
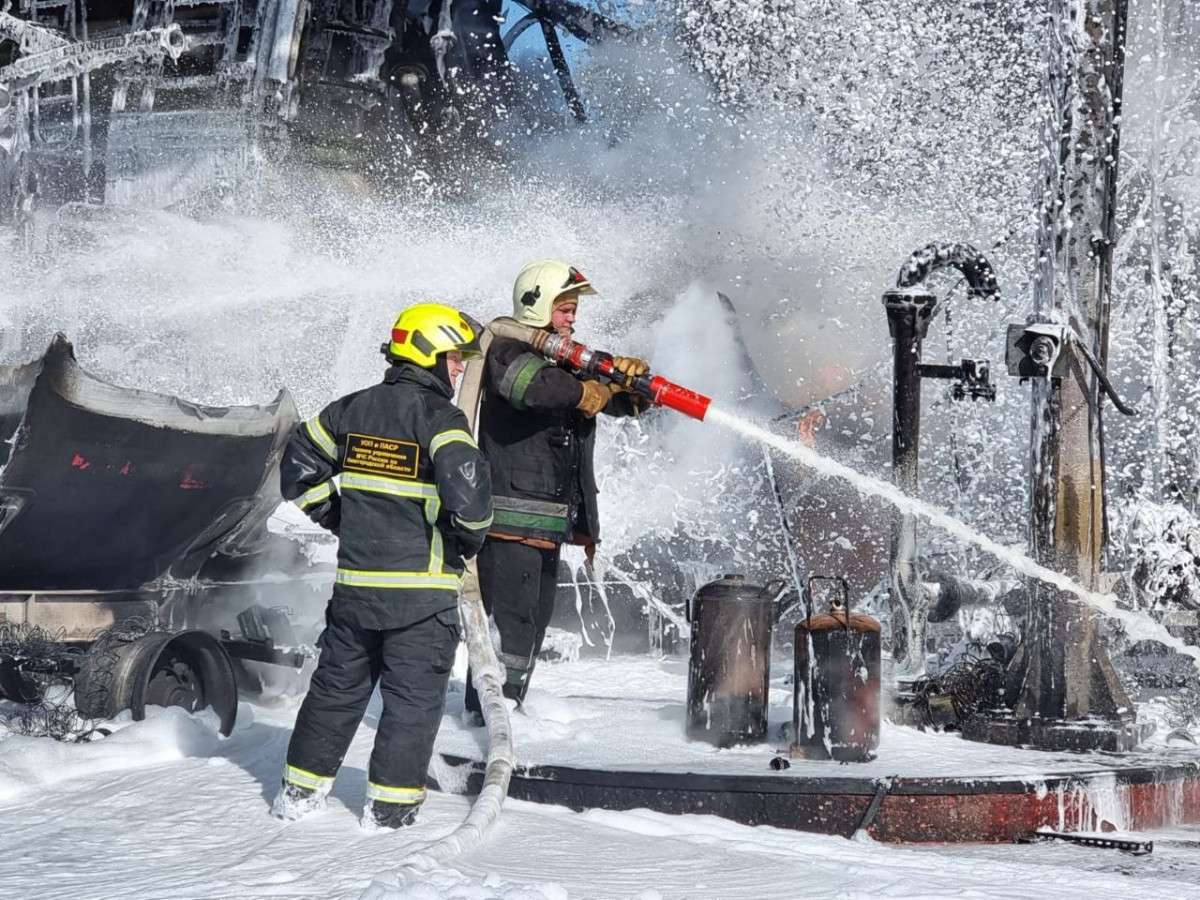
(188,669)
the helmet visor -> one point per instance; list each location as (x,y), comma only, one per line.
(471,349)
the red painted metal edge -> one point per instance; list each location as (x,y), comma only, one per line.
(1094,803)
(913,810)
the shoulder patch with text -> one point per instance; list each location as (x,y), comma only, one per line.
(381,456)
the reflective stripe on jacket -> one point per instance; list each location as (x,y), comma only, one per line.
(539,446)
(414,498)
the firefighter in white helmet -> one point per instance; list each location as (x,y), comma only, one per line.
(537,429)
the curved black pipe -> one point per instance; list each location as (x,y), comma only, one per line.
(1122,407)
(583,23)
(559,60)
(518,29)
(980,275)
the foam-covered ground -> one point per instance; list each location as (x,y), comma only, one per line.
(629,713)
(165,809)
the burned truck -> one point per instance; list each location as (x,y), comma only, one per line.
(136,562)
(151,102)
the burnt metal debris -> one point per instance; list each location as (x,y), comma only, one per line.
(66,689)
(1126,845)
(37,676)
(952,697)
(98,97)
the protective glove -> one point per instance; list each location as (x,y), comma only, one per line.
(328,514)
(630,367)
(595,398)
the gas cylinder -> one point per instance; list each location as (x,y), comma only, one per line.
(835,708)
(730,668)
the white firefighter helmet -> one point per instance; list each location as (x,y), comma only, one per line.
(540,284)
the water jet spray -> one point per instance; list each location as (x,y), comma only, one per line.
(1137,626)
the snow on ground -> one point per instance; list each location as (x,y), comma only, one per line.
(166,810)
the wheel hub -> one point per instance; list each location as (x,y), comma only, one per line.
(173,683)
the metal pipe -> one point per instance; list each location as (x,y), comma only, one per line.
(974,266)
(909,313)
(559,60)
(86,108)
(71,60)
(31,36)
(583,23)
(285,46)
(519,28)
(946,594)
(910,308)
(1122,407)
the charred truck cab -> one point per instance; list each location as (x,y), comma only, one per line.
(133,543)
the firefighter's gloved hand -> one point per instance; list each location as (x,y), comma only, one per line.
(595,398)
(328,514)
(630,367)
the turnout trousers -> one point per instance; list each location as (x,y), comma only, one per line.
(412,667)
(518,583)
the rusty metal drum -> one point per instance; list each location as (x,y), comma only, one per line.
(835,708)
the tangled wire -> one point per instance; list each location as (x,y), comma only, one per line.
(1183,710)
(30,654)
(36,677)
(57,690)
(954,696)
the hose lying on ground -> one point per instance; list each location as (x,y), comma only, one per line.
(486,809)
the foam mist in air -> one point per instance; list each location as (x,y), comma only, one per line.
(1137,624)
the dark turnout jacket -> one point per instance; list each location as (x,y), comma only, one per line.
(540,446)
(415,495)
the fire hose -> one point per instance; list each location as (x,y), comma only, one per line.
(485,667)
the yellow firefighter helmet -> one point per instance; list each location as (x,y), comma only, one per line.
(425,331)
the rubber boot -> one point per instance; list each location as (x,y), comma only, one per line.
(391,815)
(295,802)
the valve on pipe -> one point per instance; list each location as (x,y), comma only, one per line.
(1046,350)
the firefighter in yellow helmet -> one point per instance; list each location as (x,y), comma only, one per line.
(537,427)
(414,501)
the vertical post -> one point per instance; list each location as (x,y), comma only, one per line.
(1066,672)
(1074,277)
(559,60)
(909,311)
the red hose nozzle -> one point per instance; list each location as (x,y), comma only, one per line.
(575,357)
(661,392)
